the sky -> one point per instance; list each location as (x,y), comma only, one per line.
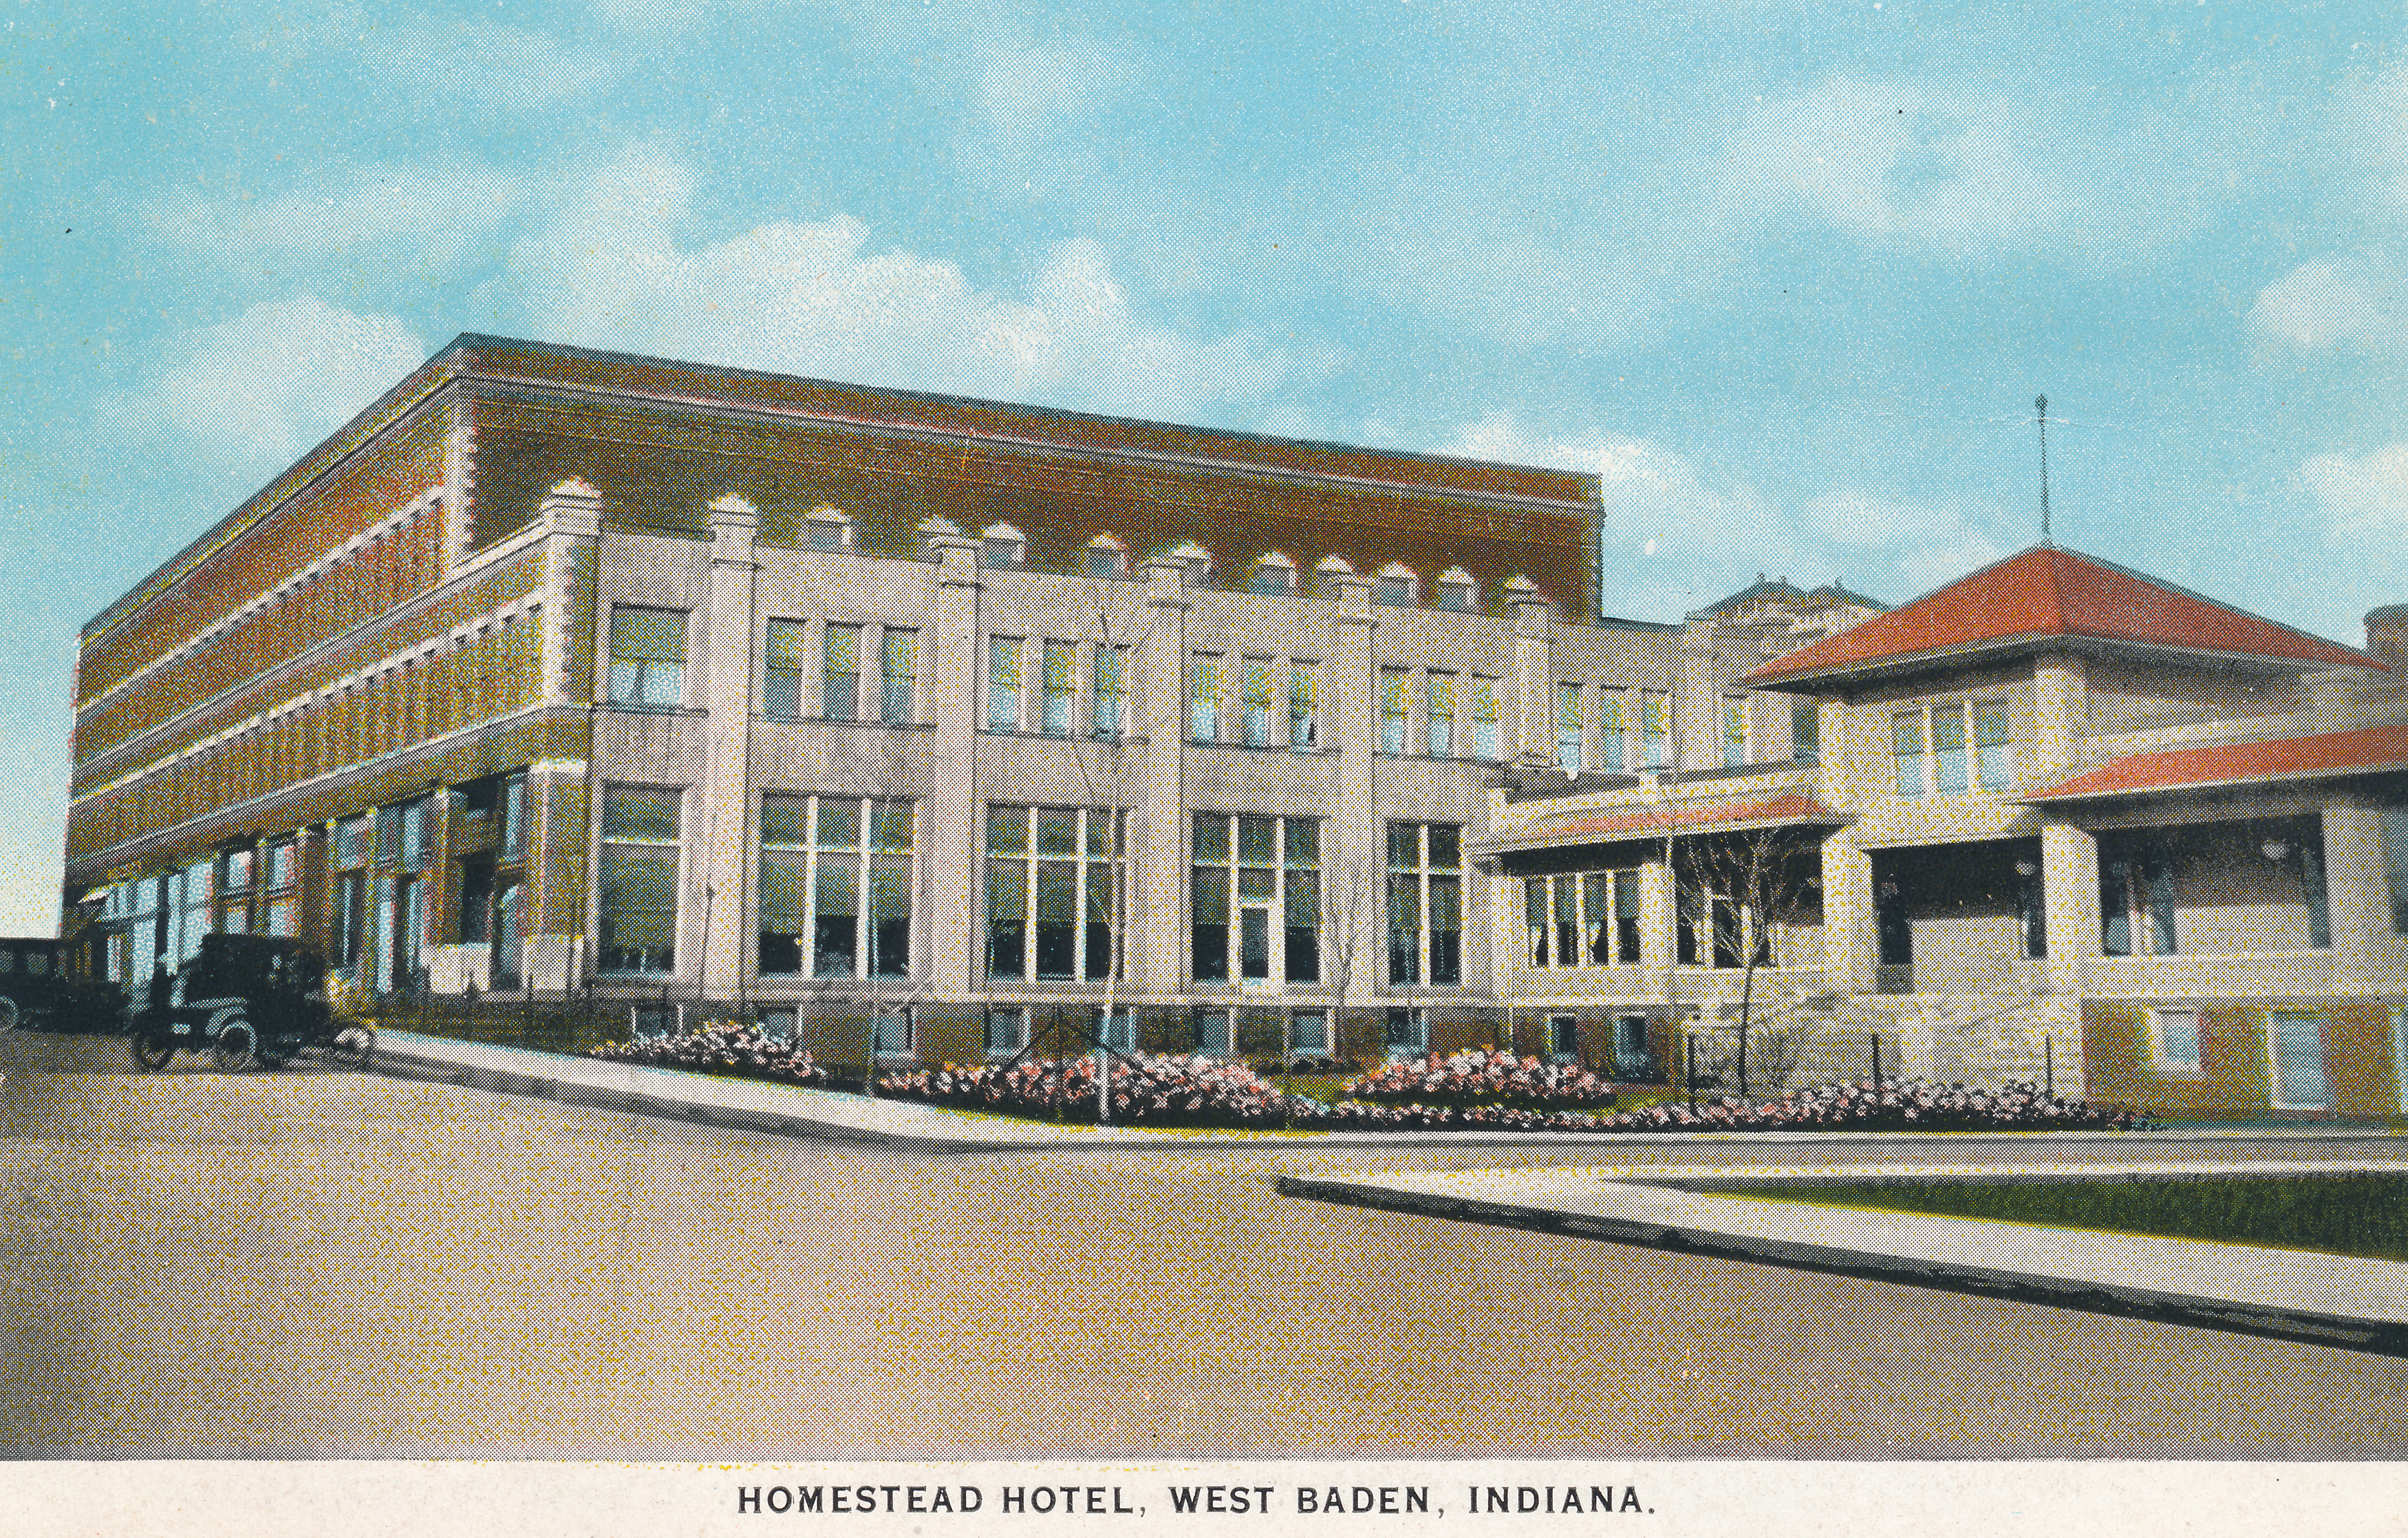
(1787,277)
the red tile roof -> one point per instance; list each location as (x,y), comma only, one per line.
(1788,807)
(2365,751)
(2051,593)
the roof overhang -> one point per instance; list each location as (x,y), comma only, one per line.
(2358,754)
(1632,823)
(1850,677)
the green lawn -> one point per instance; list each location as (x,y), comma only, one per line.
(2341,1215)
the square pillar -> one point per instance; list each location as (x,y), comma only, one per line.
(723,921)
(1851,935)
(2357,889)
(2069,873)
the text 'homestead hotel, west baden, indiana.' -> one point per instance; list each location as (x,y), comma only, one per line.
(930,723)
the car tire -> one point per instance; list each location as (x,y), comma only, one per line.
(237,1047)
(8,1012)
(351,1047)
(151,1053)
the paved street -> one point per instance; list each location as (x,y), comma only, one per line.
(312,1262)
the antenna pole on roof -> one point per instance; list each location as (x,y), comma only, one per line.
(2041,407)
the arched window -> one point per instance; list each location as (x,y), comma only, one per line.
(1397,585)
(1274,573)
(1002,548)
(1105,556)
(1458,593)
(827,528)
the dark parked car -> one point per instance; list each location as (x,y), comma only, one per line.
(249,1000)
(38,990)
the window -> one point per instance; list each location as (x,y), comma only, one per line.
(890,1031)
(1303,706)
(1396,586)
(1611,727)
(1994,746)
(647,657)
(1395,709)
(898,663)
(1806,733)
(781,694)
(282,881)
(1116,1029)
(1307,1033)
(1213,1034)
(637,902)
(1406,1033)
(2395,864)
(1948,750)
(1054,876)
(1569,729)
(1425,903)
(1256,689)
(827,528)
(841,673)
(1440,714)
(1632,1061)
(1654,727)
(1585,920)
(1007,1030)
(1245,870)
(1906,750)
(1109,714)
(2297,1045)
(1485,744)
(1563,1037)
(1456,593)
(1001,547)
(1734,732)
(1003,683)
(1061,688)
(1275,574)
(1204,697)
(2173,1039)
(1104,558)
(816,854)
(2135,883)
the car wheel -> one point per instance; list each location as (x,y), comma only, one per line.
(237,1047)
(151,1053)
(351,1047)
(7,1012)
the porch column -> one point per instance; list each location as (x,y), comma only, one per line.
(1534,670)
(1656,917)
(1850,937)
(725,920)
(2068,874)
(2357,891)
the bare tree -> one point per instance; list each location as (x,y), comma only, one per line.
(1737,891)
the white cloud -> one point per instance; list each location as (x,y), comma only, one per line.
(431,213)
(2365,498)
(250,394)
(1676,536)
(814,298)
(2324,304)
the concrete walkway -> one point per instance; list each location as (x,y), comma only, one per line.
(792,1111)
(2296,1295)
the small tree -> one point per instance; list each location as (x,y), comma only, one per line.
(1737,890)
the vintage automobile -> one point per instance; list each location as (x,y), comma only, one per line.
(40,992)
(249,1000)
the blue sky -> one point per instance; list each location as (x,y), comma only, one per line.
(1789,276)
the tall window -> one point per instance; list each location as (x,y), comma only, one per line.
(1906,751)
(1806,732)
(639,899)
(1948,750)
(2136,901)
(647,657)
(1438,699)
(1109,717)
(818,855)
(1485,743)
(1425,903)
(1654,727)
(1611,729)
(1255,890)
(1568,727)
(1585,920)
(898,662)
(283,884)
(1053,891)
(841,673)
(1061,688)
(1734,732)
(1204,697)
(2173,1039)
(1303,706)
(783,670)
(1993,744)
(1395,709)
(1257,689)
(1003,683)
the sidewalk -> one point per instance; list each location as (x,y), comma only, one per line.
(2293,1295)
(754,1105)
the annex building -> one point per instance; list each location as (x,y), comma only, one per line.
(920,727)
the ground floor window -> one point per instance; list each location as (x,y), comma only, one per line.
(1255,899)
(890,1031)
(2173,1039)
(1212,1032)
(1632,1061)
(1563,1036)
(1425,903)
(636,905)
(1307,1033)
(1053,894)
(835,886)
(2297,1047)
(1007,1029)
(1583,920)
(1407,1032)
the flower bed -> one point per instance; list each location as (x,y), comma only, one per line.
(1477,1078)
(1895,1105)
(720,1046)
(1175,1091)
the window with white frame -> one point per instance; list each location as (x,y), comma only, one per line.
(898,663)
(1059,684)
(1583,919)
(841,673)
(1204,687)
(1569,730)
(647,657)
(1654,727)
(1109,709)
(2173,1039)
(1734,731)
(782,667)
(1806,731)
(1105,557)
(637,903)
(1906,752)
(1395,710)
(1439,714)
(1259,696)
(1002,546)
(1003,683)
(827,528)
(1053,891)
(1946,748)
(1254,908)
(1486,740)
(834,886)
(1613,725)
(1274,575)
(1397,586)
(1456,592)
(1425,905)
(1303,706)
